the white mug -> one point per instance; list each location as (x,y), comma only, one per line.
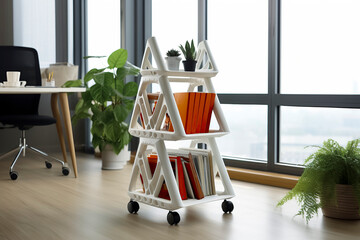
(13,76)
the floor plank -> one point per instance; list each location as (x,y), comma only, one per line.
(43,204)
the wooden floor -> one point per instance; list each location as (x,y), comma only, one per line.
(43,204)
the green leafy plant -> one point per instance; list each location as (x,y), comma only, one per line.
(331,164)
(173,53)
(108,101)
(188,51)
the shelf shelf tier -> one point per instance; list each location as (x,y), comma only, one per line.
(152,182)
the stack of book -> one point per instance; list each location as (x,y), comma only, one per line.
(193,170)
(195,110)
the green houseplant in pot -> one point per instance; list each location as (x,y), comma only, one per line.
(108,101)
(173,60)
(331,181)
(189,53)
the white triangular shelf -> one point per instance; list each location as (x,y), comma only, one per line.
(146,123)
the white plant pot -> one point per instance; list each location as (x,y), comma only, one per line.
(112,161)
(173,63)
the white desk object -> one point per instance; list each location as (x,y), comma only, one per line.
(56,92)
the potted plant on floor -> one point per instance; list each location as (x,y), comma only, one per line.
(189,53)
(331,181)
(173,60)
(108,101)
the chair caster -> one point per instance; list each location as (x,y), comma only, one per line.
(65,171)
(13,175)
(133,207)
(173,218)
(48,164)
(227,206)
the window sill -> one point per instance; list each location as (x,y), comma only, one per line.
(266,178)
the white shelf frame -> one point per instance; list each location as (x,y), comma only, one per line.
(153,136)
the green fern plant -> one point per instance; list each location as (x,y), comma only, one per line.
(331,164)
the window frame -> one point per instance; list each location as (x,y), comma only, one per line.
(274,99)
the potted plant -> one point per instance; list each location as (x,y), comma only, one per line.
(173,60)
(189,53)
(108,101)
(331,181)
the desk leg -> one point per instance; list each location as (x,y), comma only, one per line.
(56,114)
(64,102)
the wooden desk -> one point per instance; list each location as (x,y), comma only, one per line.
(56,93)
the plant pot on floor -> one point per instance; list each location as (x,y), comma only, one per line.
(173,63)
(189,65)
(347,205)
(112,161)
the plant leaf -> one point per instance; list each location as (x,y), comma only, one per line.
(104,78)
(72,83)
(90,74)
(101,93)
(130,89)
(120,113)
(118,58)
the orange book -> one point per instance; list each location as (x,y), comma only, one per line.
(209,105)
(195,113)
(201,112)
(190,113)
(212,103)
(182,101)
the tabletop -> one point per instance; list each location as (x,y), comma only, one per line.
(39,89)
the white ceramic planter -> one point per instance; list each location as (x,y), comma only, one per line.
(173,63)
(111,161)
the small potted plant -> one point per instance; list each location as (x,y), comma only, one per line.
(189,53)
(173,60)
(331,181)
(108,101)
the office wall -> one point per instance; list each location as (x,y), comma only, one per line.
(15,30)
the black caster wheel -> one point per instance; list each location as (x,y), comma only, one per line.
(173,218)
(133,207)
(13,175)
(65,171)
(227,206)
(48,164)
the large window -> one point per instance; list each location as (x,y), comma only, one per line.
(288,74)
(103,30)
(34,26)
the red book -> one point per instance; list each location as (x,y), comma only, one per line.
(182,102)
(201,112)
(180,178)
(179,173)
(196,112)
(193,176)
(209,105)
(190,114)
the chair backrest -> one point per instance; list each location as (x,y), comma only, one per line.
(26,61)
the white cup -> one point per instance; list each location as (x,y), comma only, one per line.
(13,76)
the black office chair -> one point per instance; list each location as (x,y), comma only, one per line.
(21,110)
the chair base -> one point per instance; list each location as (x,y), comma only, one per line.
(22,149)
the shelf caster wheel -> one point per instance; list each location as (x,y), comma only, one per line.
(173,218)
(48,164)
(13,175)
(65,171)
(133,207)
(227,206)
